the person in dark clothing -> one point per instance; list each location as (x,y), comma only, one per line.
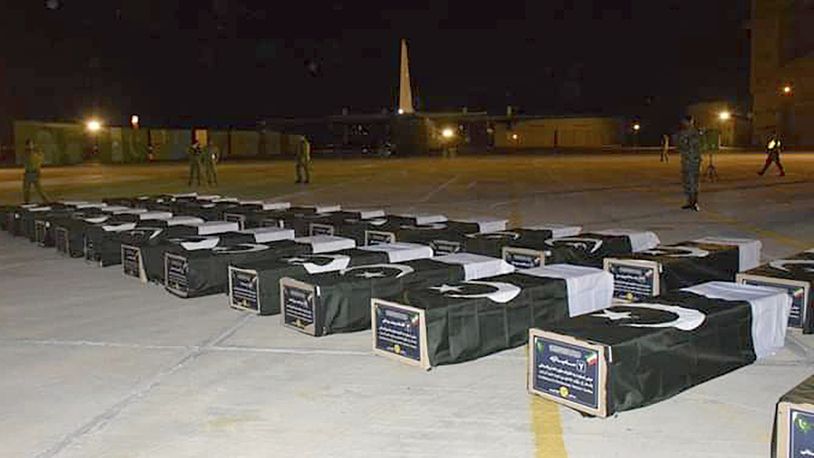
(33,164)
(195,152)
(773,148)
(688,142)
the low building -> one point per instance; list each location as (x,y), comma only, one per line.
(564,132)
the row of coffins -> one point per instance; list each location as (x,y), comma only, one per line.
(440,292)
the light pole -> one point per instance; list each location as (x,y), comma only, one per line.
(94,126)
(448,134)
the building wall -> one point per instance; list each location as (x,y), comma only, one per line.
(734,132)
(559,132)
(61,143)
(782,54)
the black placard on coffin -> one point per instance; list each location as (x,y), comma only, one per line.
(203,272)
(793,432)
(341,302)
(669,267)
(255,287)
(447,324)
(795,274)
(603,363)
(492,243)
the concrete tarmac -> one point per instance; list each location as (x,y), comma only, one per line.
(97,364)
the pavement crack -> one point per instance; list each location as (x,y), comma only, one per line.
(98,422)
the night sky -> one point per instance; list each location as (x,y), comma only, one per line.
(233,62)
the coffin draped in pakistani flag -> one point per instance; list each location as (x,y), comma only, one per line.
(297,217)
(5,212)
(795,275)
(793,434)
(586,249)
(28,217)
(208,210)
(255,287)
(346,223)
(492,243)
(460,321)
(334,302)
(13,216)
(200,269)
(47,223)
(637,354)
(120,201)
(669,267)
(143,250)
(102,243)
(251,213)
(445,237)
(69,233)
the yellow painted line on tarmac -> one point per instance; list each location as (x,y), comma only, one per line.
(547,429)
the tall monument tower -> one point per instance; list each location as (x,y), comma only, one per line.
(405,91)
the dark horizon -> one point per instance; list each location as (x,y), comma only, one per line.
(234,62)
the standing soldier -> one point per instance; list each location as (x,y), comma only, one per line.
(665,148)
(304,161)
(773,149)
(33,163)
(688,143)
(210,158)
(195,154)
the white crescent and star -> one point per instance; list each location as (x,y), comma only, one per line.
(445,288)
(576,241)
(337,262)
(148,232)
(369,272)
(239,248)
(496,235)
(425,227)
(503,292)
(686,319)
(781,264)
(678,252)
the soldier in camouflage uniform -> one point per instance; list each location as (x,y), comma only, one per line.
(33,163)
(210,157)
(688,142)
(195,154)
(304,161)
